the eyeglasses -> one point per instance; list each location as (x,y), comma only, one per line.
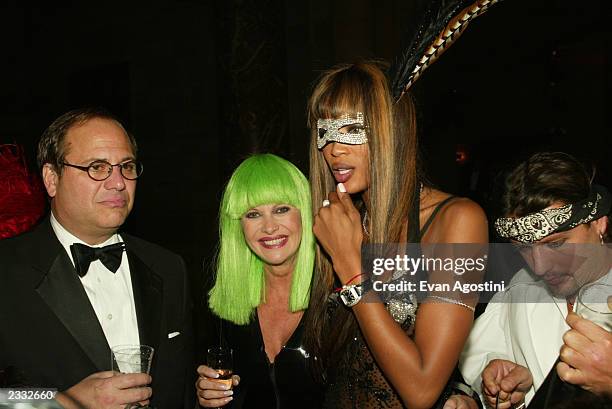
(101,170)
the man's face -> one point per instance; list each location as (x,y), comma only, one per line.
(92,210)
(566,261)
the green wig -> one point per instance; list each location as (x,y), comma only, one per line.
(239,286)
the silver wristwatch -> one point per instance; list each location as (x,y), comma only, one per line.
(351,294)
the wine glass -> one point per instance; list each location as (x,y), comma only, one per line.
(221,360)
(595,304)
(132,359)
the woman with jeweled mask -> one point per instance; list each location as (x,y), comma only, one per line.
(262,288)
(366,189)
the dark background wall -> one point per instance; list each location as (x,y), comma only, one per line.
(203,83)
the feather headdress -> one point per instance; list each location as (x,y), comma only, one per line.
(442,22)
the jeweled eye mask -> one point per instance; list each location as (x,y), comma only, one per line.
(330,130)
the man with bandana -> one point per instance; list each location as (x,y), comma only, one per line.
(550,205)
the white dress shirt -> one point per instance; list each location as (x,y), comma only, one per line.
(524,324)
(110,295)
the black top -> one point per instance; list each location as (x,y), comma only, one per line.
(286,383)
(357,382)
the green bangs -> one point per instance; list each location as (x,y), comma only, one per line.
(263,179)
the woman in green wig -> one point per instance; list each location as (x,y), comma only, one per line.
(262,288)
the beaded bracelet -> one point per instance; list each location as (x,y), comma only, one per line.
(451,301)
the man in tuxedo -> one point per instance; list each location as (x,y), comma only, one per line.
(74,287)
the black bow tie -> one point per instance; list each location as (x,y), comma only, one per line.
(83,255)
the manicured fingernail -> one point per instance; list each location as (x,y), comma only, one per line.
(228,393)
(325,203)
(341,187)
(229,399)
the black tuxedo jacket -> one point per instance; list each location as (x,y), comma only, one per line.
(50,335)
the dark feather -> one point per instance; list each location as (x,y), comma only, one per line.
(442,22)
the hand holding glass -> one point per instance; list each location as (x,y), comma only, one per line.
(132,359)
(221,360)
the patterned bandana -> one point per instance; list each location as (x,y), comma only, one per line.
(536,226)
(330,130)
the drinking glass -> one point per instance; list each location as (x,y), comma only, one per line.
(221,360)
(595,304)
(132,359)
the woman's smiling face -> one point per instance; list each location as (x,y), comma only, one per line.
(273,232)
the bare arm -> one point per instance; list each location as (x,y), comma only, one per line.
(418,368)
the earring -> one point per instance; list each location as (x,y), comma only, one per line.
(601,239)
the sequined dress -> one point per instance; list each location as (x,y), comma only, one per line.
(357,382)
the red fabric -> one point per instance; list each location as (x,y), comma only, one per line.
(22,197)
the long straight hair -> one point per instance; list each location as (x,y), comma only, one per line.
(240,283)
(392,148)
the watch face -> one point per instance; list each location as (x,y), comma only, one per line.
(348,297)
(351,295)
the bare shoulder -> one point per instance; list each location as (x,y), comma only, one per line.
(460,221)
(463,210)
